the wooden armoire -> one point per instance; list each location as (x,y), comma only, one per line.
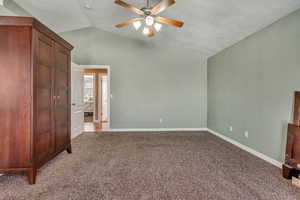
(34,95)
(291,166)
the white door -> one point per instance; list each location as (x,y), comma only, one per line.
(77,116)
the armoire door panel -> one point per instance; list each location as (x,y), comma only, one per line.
(15,92)
(62,107)
(44,72)
(44,92)
(61,116)
(44,97)
(43,120)
(61,81)
(62,59)
(44,146)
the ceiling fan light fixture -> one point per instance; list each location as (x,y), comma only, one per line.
(157,27)
(148,17)
(149,20)
(137,25)
(146,31)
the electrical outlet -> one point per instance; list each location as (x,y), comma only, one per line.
(230,128)
(160,120)
(246,134)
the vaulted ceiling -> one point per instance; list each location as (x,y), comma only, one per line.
(210,25)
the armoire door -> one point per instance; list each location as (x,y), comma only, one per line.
(44,69)
(62,93)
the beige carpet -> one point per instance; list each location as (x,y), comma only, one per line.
(144,166)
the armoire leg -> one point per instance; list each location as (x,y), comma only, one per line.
(287,171)
(31,175)
(69,149)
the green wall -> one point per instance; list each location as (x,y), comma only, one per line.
(148,82)
(251,86)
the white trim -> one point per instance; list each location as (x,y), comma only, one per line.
(107,67)
(248,149)
(77,134)
(153,129)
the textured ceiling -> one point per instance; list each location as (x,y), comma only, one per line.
(210,25)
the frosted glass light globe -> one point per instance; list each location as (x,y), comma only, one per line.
(157,27)
(146,31)
(137,25)
(149,20)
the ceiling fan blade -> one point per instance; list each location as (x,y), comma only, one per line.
(151,32)
(130,7)
(171,22)
(162,6)
(128,22)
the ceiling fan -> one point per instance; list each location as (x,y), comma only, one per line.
(148,16)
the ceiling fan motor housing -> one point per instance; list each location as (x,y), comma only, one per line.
(147,11)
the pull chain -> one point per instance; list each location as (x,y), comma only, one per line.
(148,3)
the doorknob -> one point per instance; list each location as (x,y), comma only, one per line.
(73,104)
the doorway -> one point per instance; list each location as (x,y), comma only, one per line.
(89,97)
(96,98)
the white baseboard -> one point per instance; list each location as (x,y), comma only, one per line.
(76,134)
(244,147)
(248,149)
(154,129)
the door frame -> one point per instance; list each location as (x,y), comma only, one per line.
(107,67)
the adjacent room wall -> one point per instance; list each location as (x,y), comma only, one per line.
(148,82)
(251,87)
